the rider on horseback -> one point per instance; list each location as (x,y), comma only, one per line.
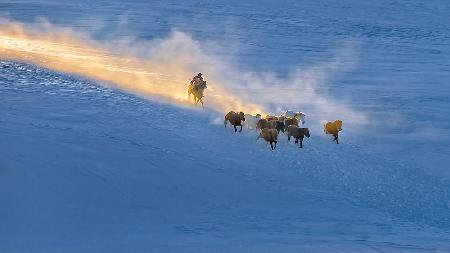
(197,87)
(198,79)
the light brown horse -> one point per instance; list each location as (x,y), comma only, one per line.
(333,128)
(197,90)
(270,135)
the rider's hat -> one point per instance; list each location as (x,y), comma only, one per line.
(199,74)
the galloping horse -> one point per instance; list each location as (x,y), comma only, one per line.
(197,91)
(333,128)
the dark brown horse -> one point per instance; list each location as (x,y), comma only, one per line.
(235,119)
(298,133)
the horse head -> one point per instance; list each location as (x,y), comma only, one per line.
(242,116)
(338,124)
(306,131)
(202,85)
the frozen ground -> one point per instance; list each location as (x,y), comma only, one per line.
(84,168)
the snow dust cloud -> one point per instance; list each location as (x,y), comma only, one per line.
(162,68)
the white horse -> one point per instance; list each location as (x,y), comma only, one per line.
(251,120)
(300,116)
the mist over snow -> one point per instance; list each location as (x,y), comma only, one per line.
(163,66)
(101,149)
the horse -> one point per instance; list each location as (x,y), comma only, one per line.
(298,133)
(197,91)
(235,119)
(333,128)
(269,135)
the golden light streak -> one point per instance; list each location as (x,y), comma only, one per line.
(163,75)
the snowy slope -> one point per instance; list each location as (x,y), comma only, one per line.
(88,169)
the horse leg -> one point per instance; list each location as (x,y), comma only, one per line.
(271,146)
(289,137)
(235,129)
(336,139)
(275,145)
(225,122)
(301,143)
(201,101)
(240,129)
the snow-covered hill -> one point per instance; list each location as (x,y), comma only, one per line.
(98,162)
(91,169)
